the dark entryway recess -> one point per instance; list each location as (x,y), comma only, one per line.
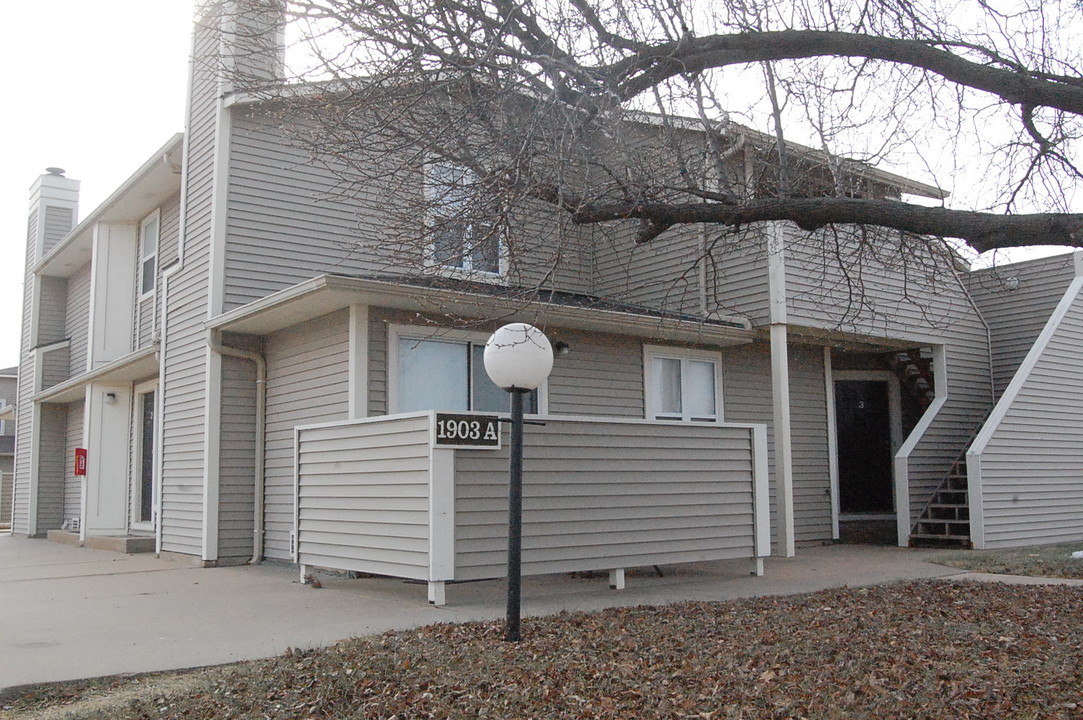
(862,415)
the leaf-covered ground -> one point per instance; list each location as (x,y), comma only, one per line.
(912,650)
(1037,561)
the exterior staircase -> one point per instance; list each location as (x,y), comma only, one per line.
(945,521)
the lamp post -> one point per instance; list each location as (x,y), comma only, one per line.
(518,358)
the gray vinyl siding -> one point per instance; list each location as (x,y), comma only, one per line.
(52,467)
(663,274)
(73,486)
(77,319)
(236,482)
(608,495)
(897,291)
(1016,317)
(58,223)
(809,446)
(25,410)
(26,421)
(289,220)
(364,502)
(185,354)
(56,367)
(307,382)
(284,226)
(737,277)
(548,250)
(52,310)
(1031,466)
(6,486)
(169,235)
(601,376)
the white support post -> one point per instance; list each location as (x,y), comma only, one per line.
(616,579)
(436,593)
(303,576)
(441,515)
(832,442)
(780,388)
(358,375)
(757,567)
(780,381)
(761,491)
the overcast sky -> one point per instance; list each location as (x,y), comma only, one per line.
(94,87)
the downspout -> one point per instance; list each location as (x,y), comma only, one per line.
(214,341)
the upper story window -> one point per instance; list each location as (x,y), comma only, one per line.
(445,372)
(149,231)
(682,384)
(463,236)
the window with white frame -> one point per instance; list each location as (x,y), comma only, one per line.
(149,231)
(463,238)
(682,384)
(445,372)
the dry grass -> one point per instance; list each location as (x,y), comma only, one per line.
(928,649)
(1037,561)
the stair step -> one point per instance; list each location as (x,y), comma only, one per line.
(945,521)
(927,536)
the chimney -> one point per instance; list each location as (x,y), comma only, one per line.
(54,211)
(252,43)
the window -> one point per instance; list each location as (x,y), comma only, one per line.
(463,234)
(446,372)
(148,243)
(682,385)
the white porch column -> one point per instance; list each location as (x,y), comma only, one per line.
(358,373)
(780,389)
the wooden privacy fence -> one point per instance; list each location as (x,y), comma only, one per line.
(379,496)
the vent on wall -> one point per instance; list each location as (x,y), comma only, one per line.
(71,524)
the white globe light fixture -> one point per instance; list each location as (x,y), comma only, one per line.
(518,358)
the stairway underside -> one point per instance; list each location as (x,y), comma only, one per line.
(945,522)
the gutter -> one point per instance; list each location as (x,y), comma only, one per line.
(214,342)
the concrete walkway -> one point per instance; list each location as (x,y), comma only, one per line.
(69,612)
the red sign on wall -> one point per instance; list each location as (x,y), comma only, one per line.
(80,461)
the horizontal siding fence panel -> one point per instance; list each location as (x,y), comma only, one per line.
(377,496)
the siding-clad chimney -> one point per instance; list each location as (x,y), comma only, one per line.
(54,206)
(54,211)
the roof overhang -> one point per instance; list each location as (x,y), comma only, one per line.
(8,412)
(148,188)
(128,369)
(328,293)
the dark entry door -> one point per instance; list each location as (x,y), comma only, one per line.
(862,414)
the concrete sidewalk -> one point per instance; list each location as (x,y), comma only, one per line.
(69,612)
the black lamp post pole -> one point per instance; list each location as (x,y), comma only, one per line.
(515,518)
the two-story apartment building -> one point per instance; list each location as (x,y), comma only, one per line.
(223,297)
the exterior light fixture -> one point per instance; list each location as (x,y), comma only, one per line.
(561,347)
(110,398)
(518,358)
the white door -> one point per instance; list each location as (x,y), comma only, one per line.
(105,508)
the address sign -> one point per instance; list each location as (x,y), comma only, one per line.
(467,431)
